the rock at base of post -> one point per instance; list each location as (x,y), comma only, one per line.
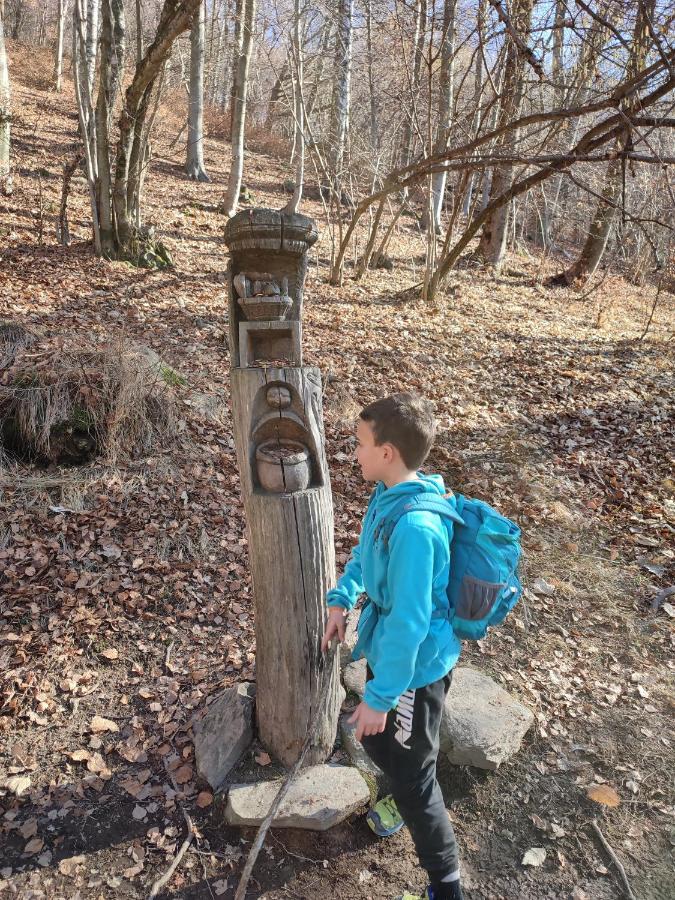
(319,798)
(224,733)
(482,725)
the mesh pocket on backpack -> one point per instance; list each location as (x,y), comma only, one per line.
(476,598)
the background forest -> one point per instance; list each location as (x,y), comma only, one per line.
(493,185)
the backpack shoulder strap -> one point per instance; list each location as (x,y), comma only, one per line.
(417,503)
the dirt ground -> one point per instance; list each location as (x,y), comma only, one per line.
(125,587)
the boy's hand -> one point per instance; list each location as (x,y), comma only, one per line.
(368,721)
(334,626)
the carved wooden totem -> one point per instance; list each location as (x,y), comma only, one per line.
(278,432)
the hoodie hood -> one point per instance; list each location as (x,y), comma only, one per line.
(385,499)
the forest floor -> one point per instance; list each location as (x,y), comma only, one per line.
(126,593)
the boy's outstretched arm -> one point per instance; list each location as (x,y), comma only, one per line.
(350,585)
(342,598)
(409,583)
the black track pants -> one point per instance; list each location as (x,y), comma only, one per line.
(407,751)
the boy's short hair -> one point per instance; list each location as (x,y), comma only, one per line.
(406,421)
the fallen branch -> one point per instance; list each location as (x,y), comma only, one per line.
(162,882)
(288,781)
(615,859)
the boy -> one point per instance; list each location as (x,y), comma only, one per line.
(404,633)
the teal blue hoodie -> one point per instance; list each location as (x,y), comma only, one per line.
(404,630)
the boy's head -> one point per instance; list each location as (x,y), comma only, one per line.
(395,435)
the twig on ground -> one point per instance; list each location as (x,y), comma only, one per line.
(168,656)
(168,875)
(615,859)
(288,781)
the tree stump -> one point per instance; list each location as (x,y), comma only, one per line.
(278,432)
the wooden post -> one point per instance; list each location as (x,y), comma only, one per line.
(278,432)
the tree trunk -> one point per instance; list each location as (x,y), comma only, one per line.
(112,63)
(477,91)
(139,32)
(606,211)
(374,129)
(5,108)
(446,100)
(297,51)
(194,166)
(92,41)
(341,88)
(175,18)
(240,90)
(492,246)
(419,39)
(58,50)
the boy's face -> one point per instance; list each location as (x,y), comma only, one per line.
(374,459)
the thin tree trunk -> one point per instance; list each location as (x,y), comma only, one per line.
(240,91)
(606,211)
(446,101)
(175,18)
(374,129)
(492,246)
(239,7)
(297,53)
(323,54)
(5,107)
(139,32)
(194,165)
(341,88)
(418,54)
(112,62)
(92,41)
(58,50)
(86,115)
(477,91)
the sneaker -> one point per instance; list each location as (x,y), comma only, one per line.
(427,895)
(384,818)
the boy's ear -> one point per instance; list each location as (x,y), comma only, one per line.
(388,452)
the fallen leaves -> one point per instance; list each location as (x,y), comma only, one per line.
(69,865)
(99,724)
(204,799)
(18,784)
(33,846)
(534,857)
(603,794)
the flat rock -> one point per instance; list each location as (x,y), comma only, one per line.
(358,755)
(354,678)
(482,724)
(224,732)
(319,798)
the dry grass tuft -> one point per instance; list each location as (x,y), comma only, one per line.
(65,403)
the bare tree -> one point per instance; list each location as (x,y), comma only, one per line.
(297,52)
(194,165)
(492,245)
(110,73)
(606,211)
(58,48)
(341,87)
(240,90)
(5,108)
(446,100)
(92,40)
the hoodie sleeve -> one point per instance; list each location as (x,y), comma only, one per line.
(409,583)
(350,585)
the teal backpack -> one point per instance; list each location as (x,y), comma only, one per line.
(484,554)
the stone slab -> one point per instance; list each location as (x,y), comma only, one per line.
(320,797)
(482,724)
(224,732)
